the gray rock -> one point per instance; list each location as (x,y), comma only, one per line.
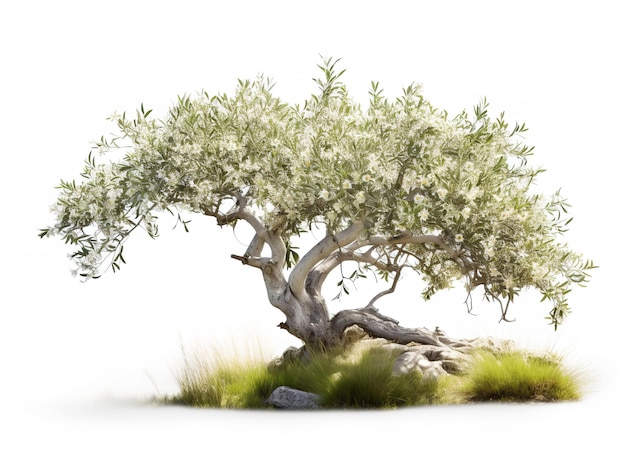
(408,362)
(290,355)
(414,360)
(453,361)
(434,371)
(284,397)
(493,344)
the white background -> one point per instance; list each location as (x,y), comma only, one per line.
(77,359)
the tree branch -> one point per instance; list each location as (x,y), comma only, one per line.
(318,275)
(396,278)
(263,235)
(323,249)
(255,247)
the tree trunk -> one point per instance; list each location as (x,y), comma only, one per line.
(300,297)
(309,321)
(307,316)
(379,326)
(432,352)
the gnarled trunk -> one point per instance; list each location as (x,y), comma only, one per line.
(308,318)
(309,321)
(379,326)
(300,297)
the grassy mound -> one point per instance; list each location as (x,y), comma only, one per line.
(365,379)
(515,376)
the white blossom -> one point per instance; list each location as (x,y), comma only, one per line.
(425,181)
(473,193)
(359,198)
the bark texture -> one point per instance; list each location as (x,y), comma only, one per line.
(379,326)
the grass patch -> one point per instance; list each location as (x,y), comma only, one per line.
(519,377)
(221,378)
(364,378)
(369,382)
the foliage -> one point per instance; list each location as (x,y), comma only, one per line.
(447,197)
(365,380)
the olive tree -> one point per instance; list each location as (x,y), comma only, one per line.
(398,186)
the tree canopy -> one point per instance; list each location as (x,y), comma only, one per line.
(400,185)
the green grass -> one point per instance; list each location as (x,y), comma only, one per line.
(368,382)
(215,378)
(515,376)
(363,379)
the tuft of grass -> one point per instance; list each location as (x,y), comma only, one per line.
(359,377)
(368,382)
(517,376)
(220,379)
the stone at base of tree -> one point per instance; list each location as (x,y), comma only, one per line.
(289,355)
(453,356)
(284,397)
(415,361)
